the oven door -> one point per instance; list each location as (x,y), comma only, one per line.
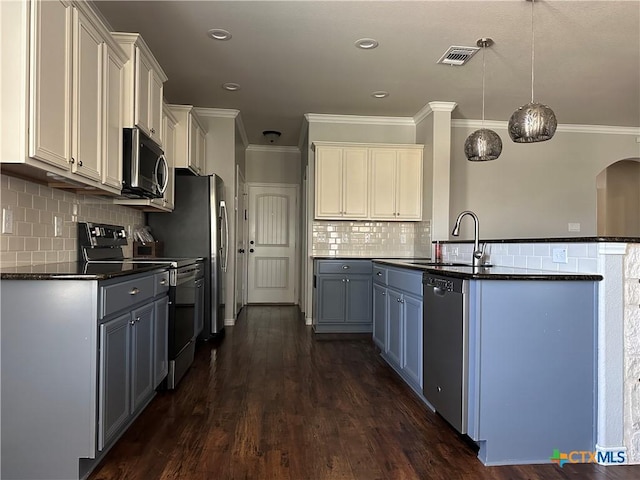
(184,325)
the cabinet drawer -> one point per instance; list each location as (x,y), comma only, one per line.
(119,296)
(161,282)
(405,280)
(379,274)
(346,267)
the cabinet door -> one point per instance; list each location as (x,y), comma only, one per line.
(114,396)
(409,184)
(86,152)
(155,107)
(331,298)
(143,73)
(112,115)
(380,316)
(160,342)
(412,339)
(355,185)
(395,328)
(358,306)
(383,184)
(329,182)
(50,82)
(142,356)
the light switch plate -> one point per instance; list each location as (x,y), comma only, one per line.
(7,220)
(559,255)
(57,226)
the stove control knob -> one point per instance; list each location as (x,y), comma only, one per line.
(96,232)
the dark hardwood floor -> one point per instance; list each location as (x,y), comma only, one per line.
(273,401)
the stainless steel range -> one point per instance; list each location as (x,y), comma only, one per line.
(102,244)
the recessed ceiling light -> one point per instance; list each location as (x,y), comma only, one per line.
(380,94)
(219,34)
(232,87)
(366,43)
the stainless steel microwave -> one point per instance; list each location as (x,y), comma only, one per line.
(145,172)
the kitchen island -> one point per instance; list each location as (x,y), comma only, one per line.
(508,354)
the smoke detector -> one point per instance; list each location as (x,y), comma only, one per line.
(271,136)
(458,56)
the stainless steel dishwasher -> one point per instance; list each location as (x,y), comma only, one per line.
(445,355)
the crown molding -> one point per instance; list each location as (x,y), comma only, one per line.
(304,134)
(242,131)
(566,128)
(431,107)
(358,119)
(272,149)
(217,112)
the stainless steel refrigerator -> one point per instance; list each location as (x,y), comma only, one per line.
(198,227)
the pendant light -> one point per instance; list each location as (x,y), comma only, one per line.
(483,144)
(533,122)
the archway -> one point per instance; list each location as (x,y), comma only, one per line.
(618,199)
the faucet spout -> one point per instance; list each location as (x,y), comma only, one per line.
(478,252)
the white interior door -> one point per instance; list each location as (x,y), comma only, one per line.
(242,232)
(273,221)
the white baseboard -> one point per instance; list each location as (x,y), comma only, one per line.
(229,322)
(308,321)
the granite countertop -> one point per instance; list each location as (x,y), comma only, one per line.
(76,271)
(550,240)
(490,273)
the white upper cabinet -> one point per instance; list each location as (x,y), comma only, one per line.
(50,82)
(368,181)
(190,140)
(144,80)
(396,183)
(61,61)
(341,181)
(86,154)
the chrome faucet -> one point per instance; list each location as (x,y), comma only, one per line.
(478,252)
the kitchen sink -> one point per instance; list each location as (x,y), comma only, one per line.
(446,264)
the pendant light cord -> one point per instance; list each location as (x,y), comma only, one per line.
(532,48)
(484,47)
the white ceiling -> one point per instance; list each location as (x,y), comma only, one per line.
(297,57)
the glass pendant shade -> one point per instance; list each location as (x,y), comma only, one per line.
(532,122)
(483,145)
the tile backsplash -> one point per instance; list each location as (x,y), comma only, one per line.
(371,239)
(34,208)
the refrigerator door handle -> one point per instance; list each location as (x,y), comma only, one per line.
(225,224)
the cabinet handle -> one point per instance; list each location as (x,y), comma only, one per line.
(347,280)
(132,322)
(79,163)
(137,319)
(134,291)
(384,293)
(344,280)
(163,281)
(72,161)
(153,131)
(398,300)
(379,274)
(345,267)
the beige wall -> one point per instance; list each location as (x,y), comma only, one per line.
(267,164)
(34,207)
(619,200)
(534,190)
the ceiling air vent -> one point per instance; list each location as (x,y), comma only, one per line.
(458,55)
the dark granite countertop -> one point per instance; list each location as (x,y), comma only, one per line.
(491,273)
(551,240)
(76,271)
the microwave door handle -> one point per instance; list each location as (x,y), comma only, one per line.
(225,224)
(162,160)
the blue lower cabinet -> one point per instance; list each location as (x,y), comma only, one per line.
(342,296)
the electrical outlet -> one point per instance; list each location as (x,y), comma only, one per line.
(57,226)
(559,255)
(367,238)
(7,220)
(403,238)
